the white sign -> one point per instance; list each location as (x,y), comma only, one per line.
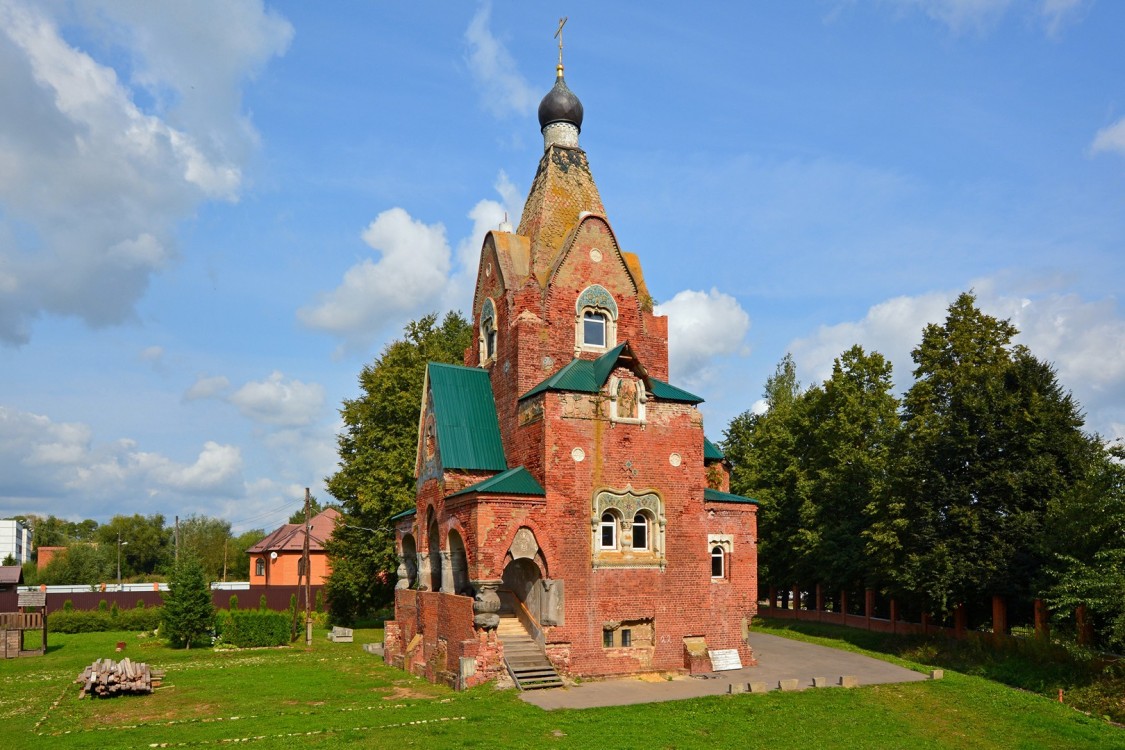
(724,659)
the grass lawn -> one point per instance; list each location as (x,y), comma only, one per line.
(336,695)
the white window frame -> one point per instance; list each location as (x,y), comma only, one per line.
(595,300)
(646,525)
(611,524)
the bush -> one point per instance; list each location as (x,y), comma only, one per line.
(251,628)
(103,606)
(95,621)
(188,612)
(68,606)
(233,602)
(262,604)
(113,611)
(140,604)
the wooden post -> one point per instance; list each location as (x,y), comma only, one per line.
(999,617)
(796,597)
(894,616)
(773,596)
(960,621)
(819,598)
(1042,621)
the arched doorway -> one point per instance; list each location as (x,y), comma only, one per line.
(521,581)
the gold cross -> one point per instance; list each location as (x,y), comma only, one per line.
(559,36)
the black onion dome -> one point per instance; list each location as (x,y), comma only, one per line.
(560,105)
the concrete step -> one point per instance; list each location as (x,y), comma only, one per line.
(526,661)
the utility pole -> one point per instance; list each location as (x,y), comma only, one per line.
(308,577)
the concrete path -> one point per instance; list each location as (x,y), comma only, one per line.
(778,659)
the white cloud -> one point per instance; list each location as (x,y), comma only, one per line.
(278,401)
(48,467)
(410,275)
(504,90)
(206,387)
(92,185)
(982,15)
(701,327)
(1084,340)
(416,273)
(1110,138)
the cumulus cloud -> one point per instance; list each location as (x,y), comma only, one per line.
(417,271)
(48,466)
(503,88)
(1110,138)
(206,387)
(701,327)
(280,401)
(1083,339)
(92,184)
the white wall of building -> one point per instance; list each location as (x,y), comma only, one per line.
(15,540)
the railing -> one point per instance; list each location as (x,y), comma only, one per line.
(529,622)
(21,620)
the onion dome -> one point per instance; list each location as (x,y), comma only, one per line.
(560,105)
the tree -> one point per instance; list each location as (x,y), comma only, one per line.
(989,437)
(238,562)
(146,544)
(206,539)
(768,452)
(1088,546)
(377,448)
(314,508)
(81,563)
(855,425)
(188,613)
(58,532)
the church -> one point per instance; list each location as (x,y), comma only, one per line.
(572,519)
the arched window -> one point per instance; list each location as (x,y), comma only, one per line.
(608,537)
(487,332)
(640,531)
(595,319)
(260,566)
(718,562)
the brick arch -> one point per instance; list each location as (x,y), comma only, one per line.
(501,557)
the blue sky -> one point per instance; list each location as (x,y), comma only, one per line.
(213,214)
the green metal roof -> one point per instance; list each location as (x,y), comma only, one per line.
(589,375)
(517,481)
(404,514)
(714,496)
(468,432)
(711,451)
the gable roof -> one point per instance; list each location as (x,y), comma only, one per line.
(468,432)
(517,481)
(590,375)
(291,536)
(714,496)
(11,575)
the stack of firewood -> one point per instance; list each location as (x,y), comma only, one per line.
(105,677)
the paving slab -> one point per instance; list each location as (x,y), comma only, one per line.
(778,659)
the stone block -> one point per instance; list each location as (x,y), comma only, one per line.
(736,687)
(788,685)
(849,681)
(819,682)
(758,687)
(937,674)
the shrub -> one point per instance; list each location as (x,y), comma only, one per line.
(262,605)
(233,602)
(140,604)
(68,606)
(80,621)
(103,606)
(188,612)
(113,611)
(250,628)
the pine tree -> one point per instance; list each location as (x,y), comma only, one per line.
(188,611)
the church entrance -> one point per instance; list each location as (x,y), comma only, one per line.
(521,586)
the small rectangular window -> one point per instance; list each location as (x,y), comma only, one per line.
(626,637)
(607,638)
(593,329)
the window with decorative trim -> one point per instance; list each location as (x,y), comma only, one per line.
(488,335)
(595,322)
(720,547)
(627,529)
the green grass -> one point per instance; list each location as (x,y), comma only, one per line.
(335,695)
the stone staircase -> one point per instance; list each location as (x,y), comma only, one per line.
(525,659)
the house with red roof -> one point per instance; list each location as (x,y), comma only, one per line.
(277,560)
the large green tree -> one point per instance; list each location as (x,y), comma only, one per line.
(375,479)
(853,429)
(188,613)
(83,563)
(989,437)
(146,543)
(769,452)
(207,540)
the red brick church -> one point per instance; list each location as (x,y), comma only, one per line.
(571,515)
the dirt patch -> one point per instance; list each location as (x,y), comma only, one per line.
(400,693)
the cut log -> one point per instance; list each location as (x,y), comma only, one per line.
(105,677)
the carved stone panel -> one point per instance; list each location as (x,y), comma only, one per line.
(524,545)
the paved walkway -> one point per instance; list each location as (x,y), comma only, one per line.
(778,659)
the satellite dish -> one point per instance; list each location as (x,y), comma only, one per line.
(273,555)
